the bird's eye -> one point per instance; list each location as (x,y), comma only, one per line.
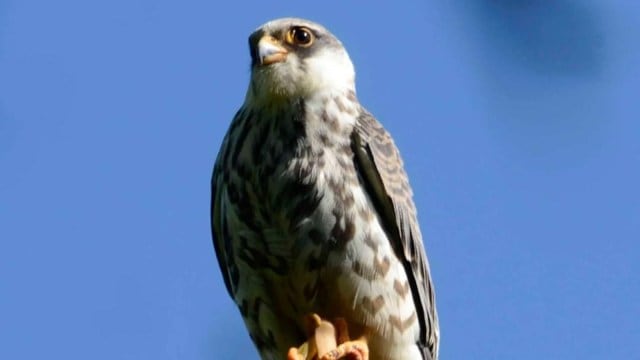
(300,36)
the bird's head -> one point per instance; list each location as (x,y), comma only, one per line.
(295,58)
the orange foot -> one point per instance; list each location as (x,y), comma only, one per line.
(347,349)
(329,342)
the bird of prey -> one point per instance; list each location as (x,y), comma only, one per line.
(311,210)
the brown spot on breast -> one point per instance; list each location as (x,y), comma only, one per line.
(366,214)
(324,139)
(348,200)
(335,186)
(402,325)
(368,240)
(363,272)
(373,306)
(382,266)
(345,160)
(401,288)
(341,235)
(333,123)
(340,104)
(351,95)
(320,161)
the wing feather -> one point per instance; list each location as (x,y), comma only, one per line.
(381,167)
(219,228)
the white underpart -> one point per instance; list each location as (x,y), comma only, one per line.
(387,340)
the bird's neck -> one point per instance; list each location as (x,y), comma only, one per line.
(329,119)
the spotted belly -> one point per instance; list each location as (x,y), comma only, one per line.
(316,245)
(347,268)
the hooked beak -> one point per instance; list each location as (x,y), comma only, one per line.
(270,51)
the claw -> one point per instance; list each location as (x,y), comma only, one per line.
(350,350)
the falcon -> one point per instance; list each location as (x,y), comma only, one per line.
(312,212)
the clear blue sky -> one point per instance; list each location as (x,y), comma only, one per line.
(519,122)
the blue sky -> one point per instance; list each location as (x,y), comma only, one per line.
(518,122)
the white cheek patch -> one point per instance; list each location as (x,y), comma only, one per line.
(326,71)
(329,69)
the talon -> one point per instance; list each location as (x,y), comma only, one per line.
(350,350)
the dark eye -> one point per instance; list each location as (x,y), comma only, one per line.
(300,36)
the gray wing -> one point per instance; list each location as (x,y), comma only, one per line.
(379,163)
